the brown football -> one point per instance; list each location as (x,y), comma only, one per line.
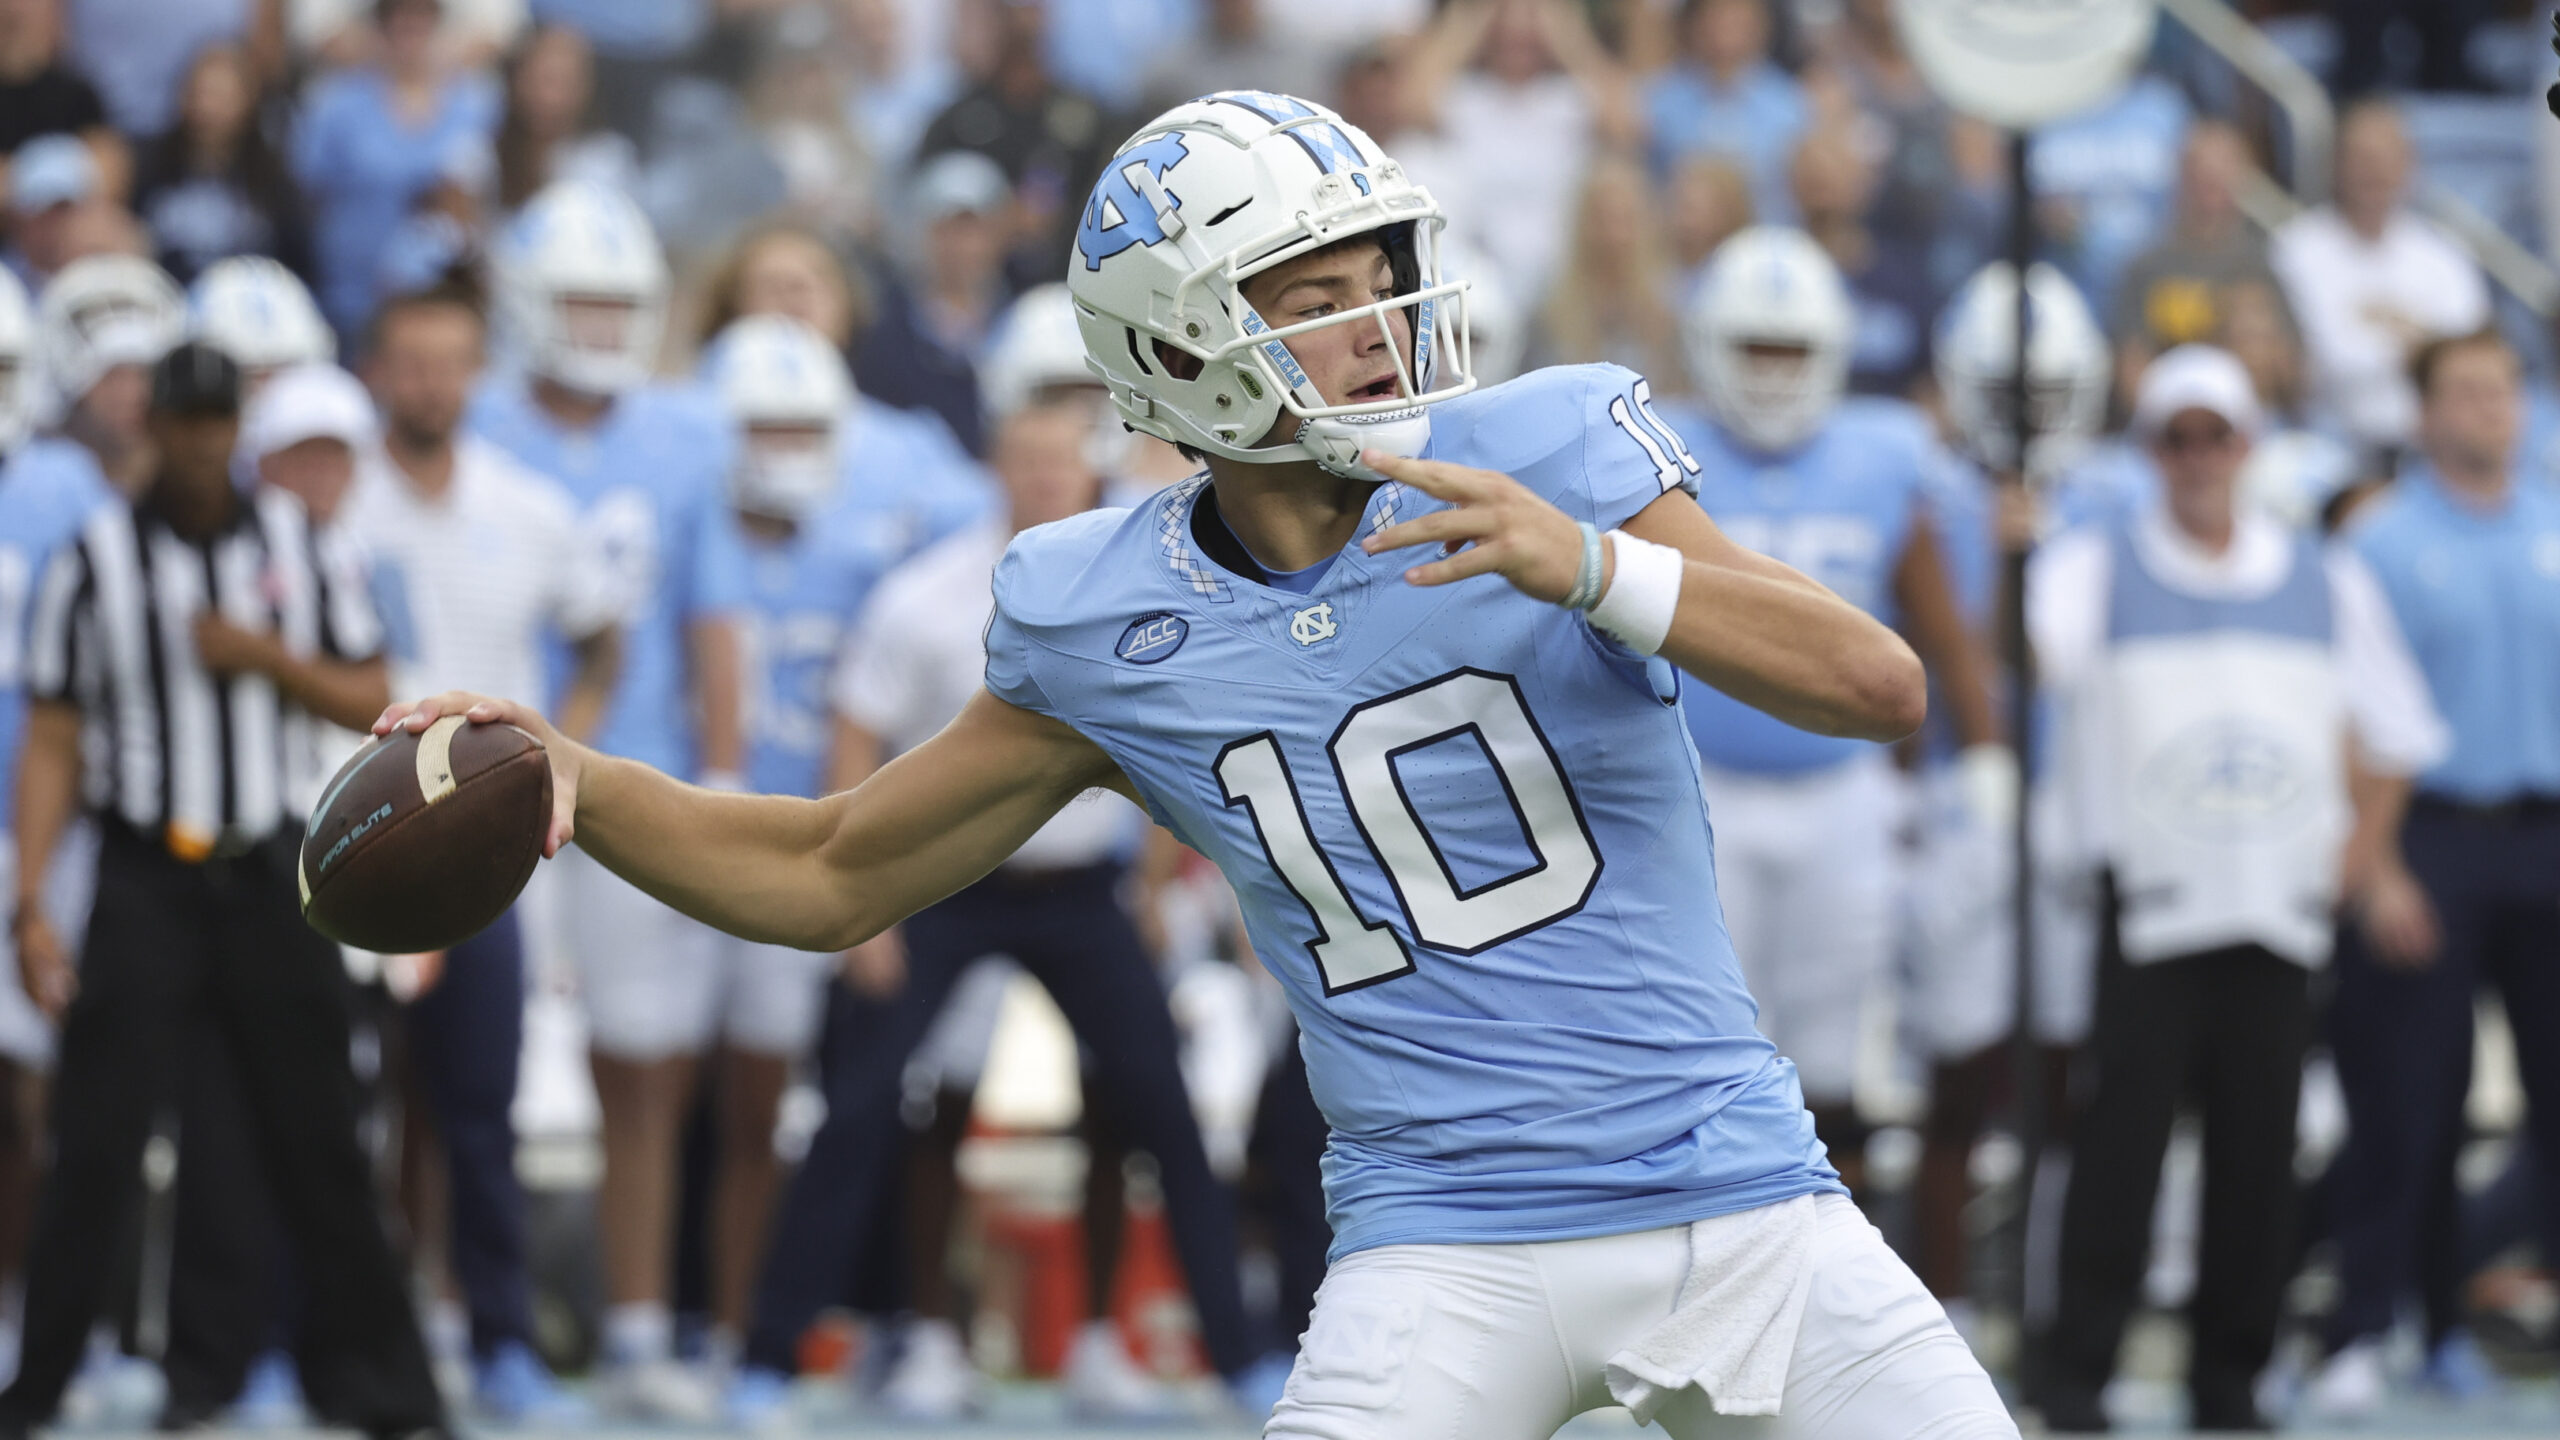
(422,839)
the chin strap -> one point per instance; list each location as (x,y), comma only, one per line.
(1336,442)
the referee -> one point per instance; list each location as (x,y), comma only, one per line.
(186,645)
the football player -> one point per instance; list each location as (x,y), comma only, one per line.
(582,298)
(1805,822)
(1462,812)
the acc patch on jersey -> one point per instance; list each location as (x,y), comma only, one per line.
(1151,638)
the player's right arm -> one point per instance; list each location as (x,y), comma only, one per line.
(814,874)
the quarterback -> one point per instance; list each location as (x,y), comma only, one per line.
(1405,660)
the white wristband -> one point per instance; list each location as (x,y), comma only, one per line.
(1643,594)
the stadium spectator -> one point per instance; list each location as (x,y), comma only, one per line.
(1514,96)
(1918,202)
(2104,179)
(53,187)
(138,51)
(339,33)
(373,140)
(639,46)
(1834,186)
(1368,88)
(2173,292)
(42,93)
(1244,45)
(549,131)
(2371,282)
(785,270)
(2203,618)
(1725,96)
(1708,200)
(213,184)
(2293,471)
(2465,891)
(1615,298)
(923,350)
(798,106)
(1048,140)
(195,928)
(491,567)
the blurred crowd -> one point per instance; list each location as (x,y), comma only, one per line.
(686,364)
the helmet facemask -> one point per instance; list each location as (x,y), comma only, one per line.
(785,469)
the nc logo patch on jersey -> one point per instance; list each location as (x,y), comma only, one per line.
(1151,638)
(1118,216)
(1312,624)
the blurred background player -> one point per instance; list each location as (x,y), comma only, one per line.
(828,502)
(257,312)
(582,290)
(47,488)
(911,663)
(100,325)
(2220,679)
(1804,823)
(1959,985)
(490,565)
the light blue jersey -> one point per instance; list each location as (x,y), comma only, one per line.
(907,484)
(2477,592)
(1840,508)
(651,477)
(47,488)
(1467,834)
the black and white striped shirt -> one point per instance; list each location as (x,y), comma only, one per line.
(171,749)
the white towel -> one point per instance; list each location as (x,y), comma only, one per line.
(1733,1330)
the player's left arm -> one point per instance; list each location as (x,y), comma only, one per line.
(1762,632)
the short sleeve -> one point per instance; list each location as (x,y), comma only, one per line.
(52,634)
(1011,676)
(2398,729)
(1631,457)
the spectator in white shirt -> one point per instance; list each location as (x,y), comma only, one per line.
(2370,282)
(481,564)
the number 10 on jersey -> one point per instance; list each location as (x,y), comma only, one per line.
(1351,952)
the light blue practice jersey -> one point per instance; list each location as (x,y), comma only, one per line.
(2478,596)
(1467,834)
(1838,507)
(651,478)
(47,488)
(907,484)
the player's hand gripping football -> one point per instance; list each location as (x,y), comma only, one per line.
(1495,526)
(568,757)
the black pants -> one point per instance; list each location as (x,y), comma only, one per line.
(1069,932)
(2229,1027)
(2402,1039)
(1287,1190)
(174,947)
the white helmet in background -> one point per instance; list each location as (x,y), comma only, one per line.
(1216,191)
(101,312)
(254,310)
(17,363)
(1768,336)
(787,391)
(1497,326)
(1038,347)
(2067,368)
(582,287)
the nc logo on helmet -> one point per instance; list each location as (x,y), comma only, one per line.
(1117,216)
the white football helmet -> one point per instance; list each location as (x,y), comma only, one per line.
(787,391)
(1214,192)
(1038,348)
(101,312)
(582,288)
(2067,368)
(17,363)
(1768,336)
(254,310)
